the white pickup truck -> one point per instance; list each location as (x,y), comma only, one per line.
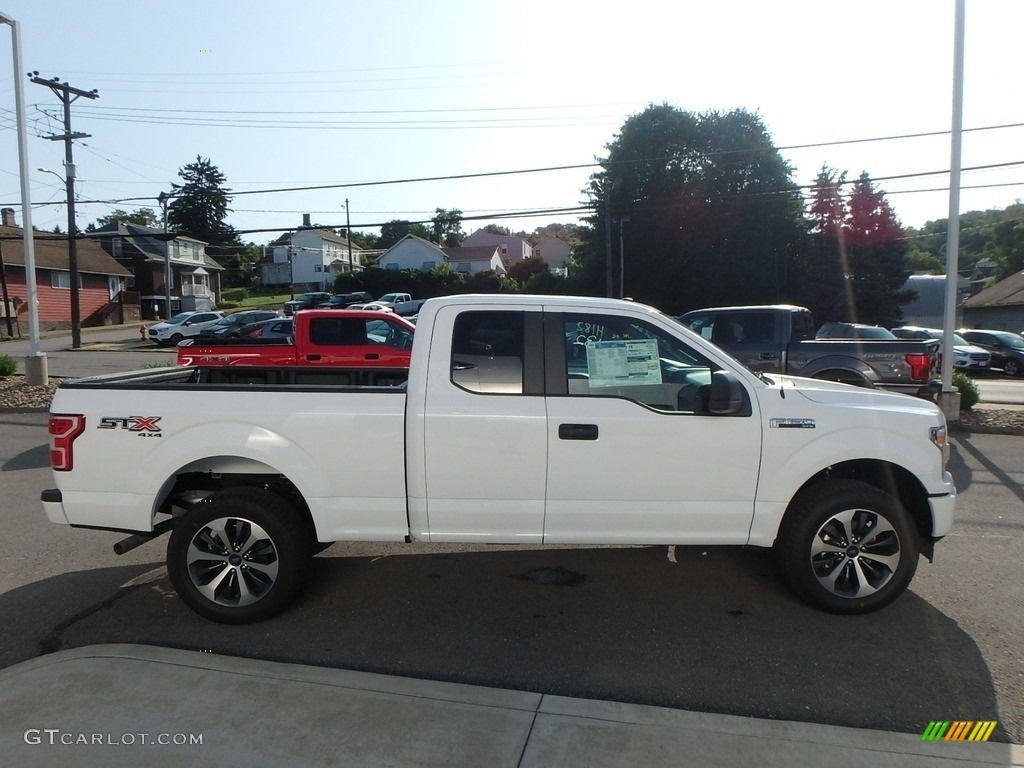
(525,420)
(401,303)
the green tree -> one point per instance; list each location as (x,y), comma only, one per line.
(396,229)
(819,281)
(1008,247)
(145,217)
(199,209)
(447,228)
(714,216)
(523,270)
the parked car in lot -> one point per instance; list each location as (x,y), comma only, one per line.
(184,325)
(305,301)
(402,303)
(374,306)
(779,338)
(1006,349)
(231,326)
(277,328)
(321,338)
(345,300)
(965,356)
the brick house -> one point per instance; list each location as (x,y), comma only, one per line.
(102,296)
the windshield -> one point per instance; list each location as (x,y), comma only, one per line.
(1011,340)
(179,318)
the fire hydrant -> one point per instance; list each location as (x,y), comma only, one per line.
(142,332)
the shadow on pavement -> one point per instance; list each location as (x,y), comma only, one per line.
(714,631)
(998,472)
(33,458)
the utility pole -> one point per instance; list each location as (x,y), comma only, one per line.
(68,94)
(348,236)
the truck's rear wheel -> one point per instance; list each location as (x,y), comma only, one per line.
(847,547)
(239,556)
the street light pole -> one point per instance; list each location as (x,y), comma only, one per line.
(348,236)
(35,362)
(622,257)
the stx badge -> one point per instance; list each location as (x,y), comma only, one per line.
(145,426)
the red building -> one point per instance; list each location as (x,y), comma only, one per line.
(102,298)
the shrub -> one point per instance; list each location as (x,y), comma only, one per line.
(7,366)
(969,395)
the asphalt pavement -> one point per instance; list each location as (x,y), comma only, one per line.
(129,705)
(113,705)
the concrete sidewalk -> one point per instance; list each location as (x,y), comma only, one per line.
(130,705)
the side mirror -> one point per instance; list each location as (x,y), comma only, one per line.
(726,395)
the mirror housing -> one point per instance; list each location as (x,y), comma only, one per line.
(727,396)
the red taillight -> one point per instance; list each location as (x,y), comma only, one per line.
(920,366)
(64,428)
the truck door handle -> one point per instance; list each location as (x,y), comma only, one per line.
(313,357)
(577,431)
(372,356)
(767,356)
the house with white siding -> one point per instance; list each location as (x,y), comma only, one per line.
(512,249)
(555,252)
(309,258)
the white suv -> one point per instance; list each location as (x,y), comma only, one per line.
(966,356)
(184,325)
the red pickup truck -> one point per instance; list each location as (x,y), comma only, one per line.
(323,337)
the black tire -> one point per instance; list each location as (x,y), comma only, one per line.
(239,556)
(175,338)
(826,557)
(1011,368)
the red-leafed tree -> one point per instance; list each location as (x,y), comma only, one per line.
(856,263)
(876,254)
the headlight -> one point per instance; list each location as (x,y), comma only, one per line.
(939,438)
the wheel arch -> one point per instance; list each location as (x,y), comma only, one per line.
(198,479)
(887,476)
(842,369)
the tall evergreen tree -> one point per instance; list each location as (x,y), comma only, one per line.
(199,209)
(819,280)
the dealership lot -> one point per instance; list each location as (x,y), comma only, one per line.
(703,629)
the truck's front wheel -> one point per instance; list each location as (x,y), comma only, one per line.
(847,547)
(239,556)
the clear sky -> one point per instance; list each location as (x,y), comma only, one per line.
(329,93)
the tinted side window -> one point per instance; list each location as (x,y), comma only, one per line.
(487,352)
(337,332)
(608,355)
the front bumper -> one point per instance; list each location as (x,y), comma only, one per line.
(942,507)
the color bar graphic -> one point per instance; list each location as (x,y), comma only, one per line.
(959,730)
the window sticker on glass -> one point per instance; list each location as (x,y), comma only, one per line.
(614,363)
